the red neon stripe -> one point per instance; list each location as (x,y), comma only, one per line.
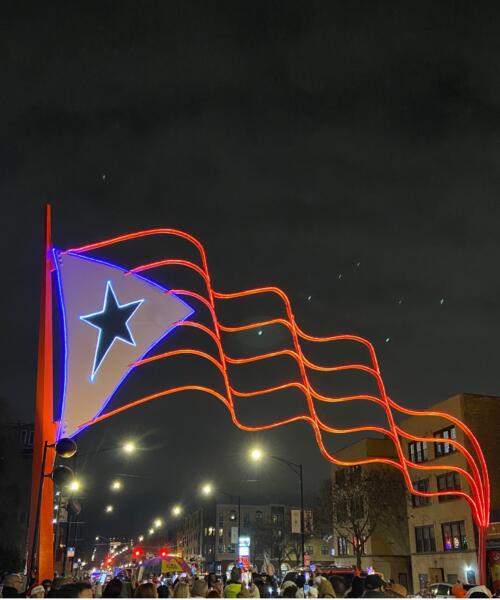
(479,485)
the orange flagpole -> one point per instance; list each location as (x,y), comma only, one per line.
(42,563)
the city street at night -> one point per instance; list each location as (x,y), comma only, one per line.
(250,299)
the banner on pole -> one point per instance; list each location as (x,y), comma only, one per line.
(296,528)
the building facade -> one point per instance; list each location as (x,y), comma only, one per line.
(442,534)
(211,537)
(387,550)
(16,451)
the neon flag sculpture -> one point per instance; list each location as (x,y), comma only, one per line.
(111,320)
(476,475)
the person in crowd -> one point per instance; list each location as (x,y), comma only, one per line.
(357,588)
(233,588)
(37,591)
(374,587)
(113,589)
(12,586)
(47,584)
(181,589)
(312,591)
(288,589)
(395,590)
(325,589)
(458,590)
(199,589)
(163,591)
(258,582)
(78,589)
(479,591)
(339,585)
(213,593)
(146,590)
(211,579)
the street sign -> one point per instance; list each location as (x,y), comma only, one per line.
(295,516)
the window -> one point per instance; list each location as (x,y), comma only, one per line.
(454,536)
(442,448)
(324,551)
(425,539)
(418,452)
(341,512)
(246,520)
(446,482)
(309,550)
(421,486)
(258,516)
(232,515)
(221,519)
(340,477)
(342,545)
(221,548)
(357,508)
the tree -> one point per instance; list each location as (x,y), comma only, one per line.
(358,502)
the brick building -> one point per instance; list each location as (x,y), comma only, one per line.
(442,533)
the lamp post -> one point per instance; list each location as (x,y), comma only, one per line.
(65,448)
(256,455)
(207,490)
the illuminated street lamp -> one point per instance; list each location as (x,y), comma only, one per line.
(177,510)
(129,447)
(158,523)
(74,486)
(116,485)
(257,455)
(207,489)
(151,531)
(109,508)
(141,538)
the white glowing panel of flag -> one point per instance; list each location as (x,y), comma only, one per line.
(112,318)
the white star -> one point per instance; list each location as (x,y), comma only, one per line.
(387,339)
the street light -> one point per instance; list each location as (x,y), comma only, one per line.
(158,523)
(207,489)
(74,485)
(141,538)
(257,454)
(129,447)
(116,485)
(109,508)
(176,510)
(151,531)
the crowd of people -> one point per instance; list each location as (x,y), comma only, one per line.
(239,584)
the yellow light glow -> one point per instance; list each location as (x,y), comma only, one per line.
(129,447)
(75,485)
(116,485)
(256,454)
(158,523)
(109,508)
(177,510)
(207,489)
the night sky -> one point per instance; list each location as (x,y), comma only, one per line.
(347,152)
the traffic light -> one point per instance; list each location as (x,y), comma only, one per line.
(137,553)
(163,552)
